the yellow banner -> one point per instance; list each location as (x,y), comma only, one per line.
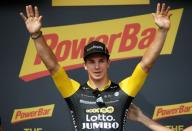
(32,113)
(97,2)
(172,110)
(125,38)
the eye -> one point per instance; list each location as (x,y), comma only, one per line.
(101,60)
(91,61)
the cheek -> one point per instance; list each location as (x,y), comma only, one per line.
(88,68)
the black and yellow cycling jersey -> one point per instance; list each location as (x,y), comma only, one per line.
(103,109)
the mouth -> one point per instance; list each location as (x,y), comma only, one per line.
(97,73)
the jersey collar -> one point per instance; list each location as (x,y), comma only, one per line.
(102,88)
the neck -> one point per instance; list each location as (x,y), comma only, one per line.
(97,84)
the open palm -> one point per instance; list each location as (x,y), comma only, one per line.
(162,16)
(32,20)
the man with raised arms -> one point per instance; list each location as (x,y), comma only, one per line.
(99,104)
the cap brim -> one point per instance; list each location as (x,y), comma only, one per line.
(95,52)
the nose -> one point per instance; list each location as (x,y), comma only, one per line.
(97,65)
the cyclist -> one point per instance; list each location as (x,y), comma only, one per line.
(99,104)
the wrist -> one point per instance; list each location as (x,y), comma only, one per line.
(160,29)
(36,35)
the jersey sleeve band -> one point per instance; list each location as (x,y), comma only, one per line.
(67,87)
(132,85)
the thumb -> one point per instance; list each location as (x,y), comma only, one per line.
(170,15)
(153,14)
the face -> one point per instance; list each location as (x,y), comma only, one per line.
(97,67)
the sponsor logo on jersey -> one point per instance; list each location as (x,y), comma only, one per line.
(101,125)
(87,102)
(32,113)
(172,110)
(100,118)
(108,96)
(116,94)
(128,38)
(104,110)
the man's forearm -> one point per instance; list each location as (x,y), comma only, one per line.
(162,20)
(154,50)
(188,128)
(46,54)
(152,124)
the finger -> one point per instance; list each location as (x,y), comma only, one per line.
(158,8)
(169,15)
(23,16)
(40,18)
(162,9)
(36,12)
(167,10)
(31,11)
(153,14)
(27,11)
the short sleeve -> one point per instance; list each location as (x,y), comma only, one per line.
(132,85)
(67,87)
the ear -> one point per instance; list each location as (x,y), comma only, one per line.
(109,62)
(85,66)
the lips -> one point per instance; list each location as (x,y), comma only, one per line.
(97,73)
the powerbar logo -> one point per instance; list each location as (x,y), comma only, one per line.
(32,113)
(100,118)
(172,110)
(125,38)
(97,2)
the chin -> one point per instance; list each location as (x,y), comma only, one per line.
(97,78)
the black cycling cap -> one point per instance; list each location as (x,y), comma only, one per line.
(95,47)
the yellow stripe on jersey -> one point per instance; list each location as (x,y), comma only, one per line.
(101,88)
(67,87)
(132,85)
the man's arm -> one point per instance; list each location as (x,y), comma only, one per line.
(33,22)
(133,84)
(188,128)
(135,114)
(162,20)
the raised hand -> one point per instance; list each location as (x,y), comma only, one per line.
(32,20)
(162,16)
